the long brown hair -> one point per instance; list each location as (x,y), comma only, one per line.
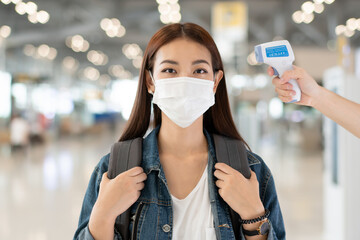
(217,119)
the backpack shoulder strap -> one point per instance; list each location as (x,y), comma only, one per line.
(123,156)
(233,153)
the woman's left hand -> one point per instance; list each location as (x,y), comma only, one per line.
(240,193)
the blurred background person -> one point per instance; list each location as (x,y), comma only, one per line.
(19,132)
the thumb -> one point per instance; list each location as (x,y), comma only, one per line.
(105,178)
(253,176)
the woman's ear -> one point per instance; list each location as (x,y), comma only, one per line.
(218,76)
(149,82)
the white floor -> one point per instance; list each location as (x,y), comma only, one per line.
(41,189)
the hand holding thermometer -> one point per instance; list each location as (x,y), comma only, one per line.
(279,56)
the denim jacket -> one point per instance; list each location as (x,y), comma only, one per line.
(152,213)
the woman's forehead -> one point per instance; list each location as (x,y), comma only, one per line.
(182,49)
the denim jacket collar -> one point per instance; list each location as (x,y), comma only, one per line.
(151,159)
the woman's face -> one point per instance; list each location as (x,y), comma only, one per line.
(184,58)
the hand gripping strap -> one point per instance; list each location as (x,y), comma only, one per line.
(233,153)
(124,156)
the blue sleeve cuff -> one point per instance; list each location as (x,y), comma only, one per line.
(86,235)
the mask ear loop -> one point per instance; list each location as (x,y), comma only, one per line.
(149,91)
(215,80)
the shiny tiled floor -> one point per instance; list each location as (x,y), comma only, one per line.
(41,189)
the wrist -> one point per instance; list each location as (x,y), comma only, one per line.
(102,215)
(317,96)
(253,213)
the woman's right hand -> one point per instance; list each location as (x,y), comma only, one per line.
(115,197)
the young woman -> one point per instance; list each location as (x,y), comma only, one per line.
(180,191)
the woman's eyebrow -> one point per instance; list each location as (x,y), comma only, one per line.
(200,61)
(170,61)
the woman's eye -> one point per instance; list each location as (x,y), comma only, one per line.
(168,70)
(200,71)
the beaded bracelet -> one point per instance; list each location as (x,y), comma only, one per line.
(258,219)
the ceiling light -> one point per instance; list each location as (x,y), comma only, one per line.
(116,70)
(175,7)
(91,73)
(329,1)
(319,8)
(31,8)
(33,18)
(308,7)
(85,46)
(358,24)
(104,79)
(77,41)
(298,17)
(340,29)
(5,31)
(97,57)
(115,22)
(121,31)
(43,17)
(112,32)
(70,63)
(175,17)
(52,54)
(137,62)
(20,8)
(308,18)
(6,2)
(349,33)
(131,51)
(105,24)
(352,24)
(165,19)
(29,50)
(43,50)
(164,8)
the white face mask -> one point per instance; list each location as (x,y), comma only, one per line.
(183,99)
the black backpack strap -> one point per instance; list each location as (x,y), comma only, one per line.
(123,156)
(233,153)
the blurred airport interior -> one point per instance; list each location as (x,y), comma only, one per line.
(68,79)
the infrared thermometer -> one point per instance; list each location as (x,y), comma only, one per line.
(279,56)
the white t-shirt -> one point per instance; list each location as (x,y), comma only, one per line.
(193,218)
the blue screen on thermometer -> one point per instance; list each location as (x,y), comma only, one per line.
(277,51)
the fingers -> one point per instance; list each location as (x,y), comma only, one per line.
(253,176)
(285,99)
(285,93)
(135,171)
(296,73)
(219,183)
(284,86)
(220,174)
(224,167)
(270,71)
(140,186)
(105,177)
(140,178)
